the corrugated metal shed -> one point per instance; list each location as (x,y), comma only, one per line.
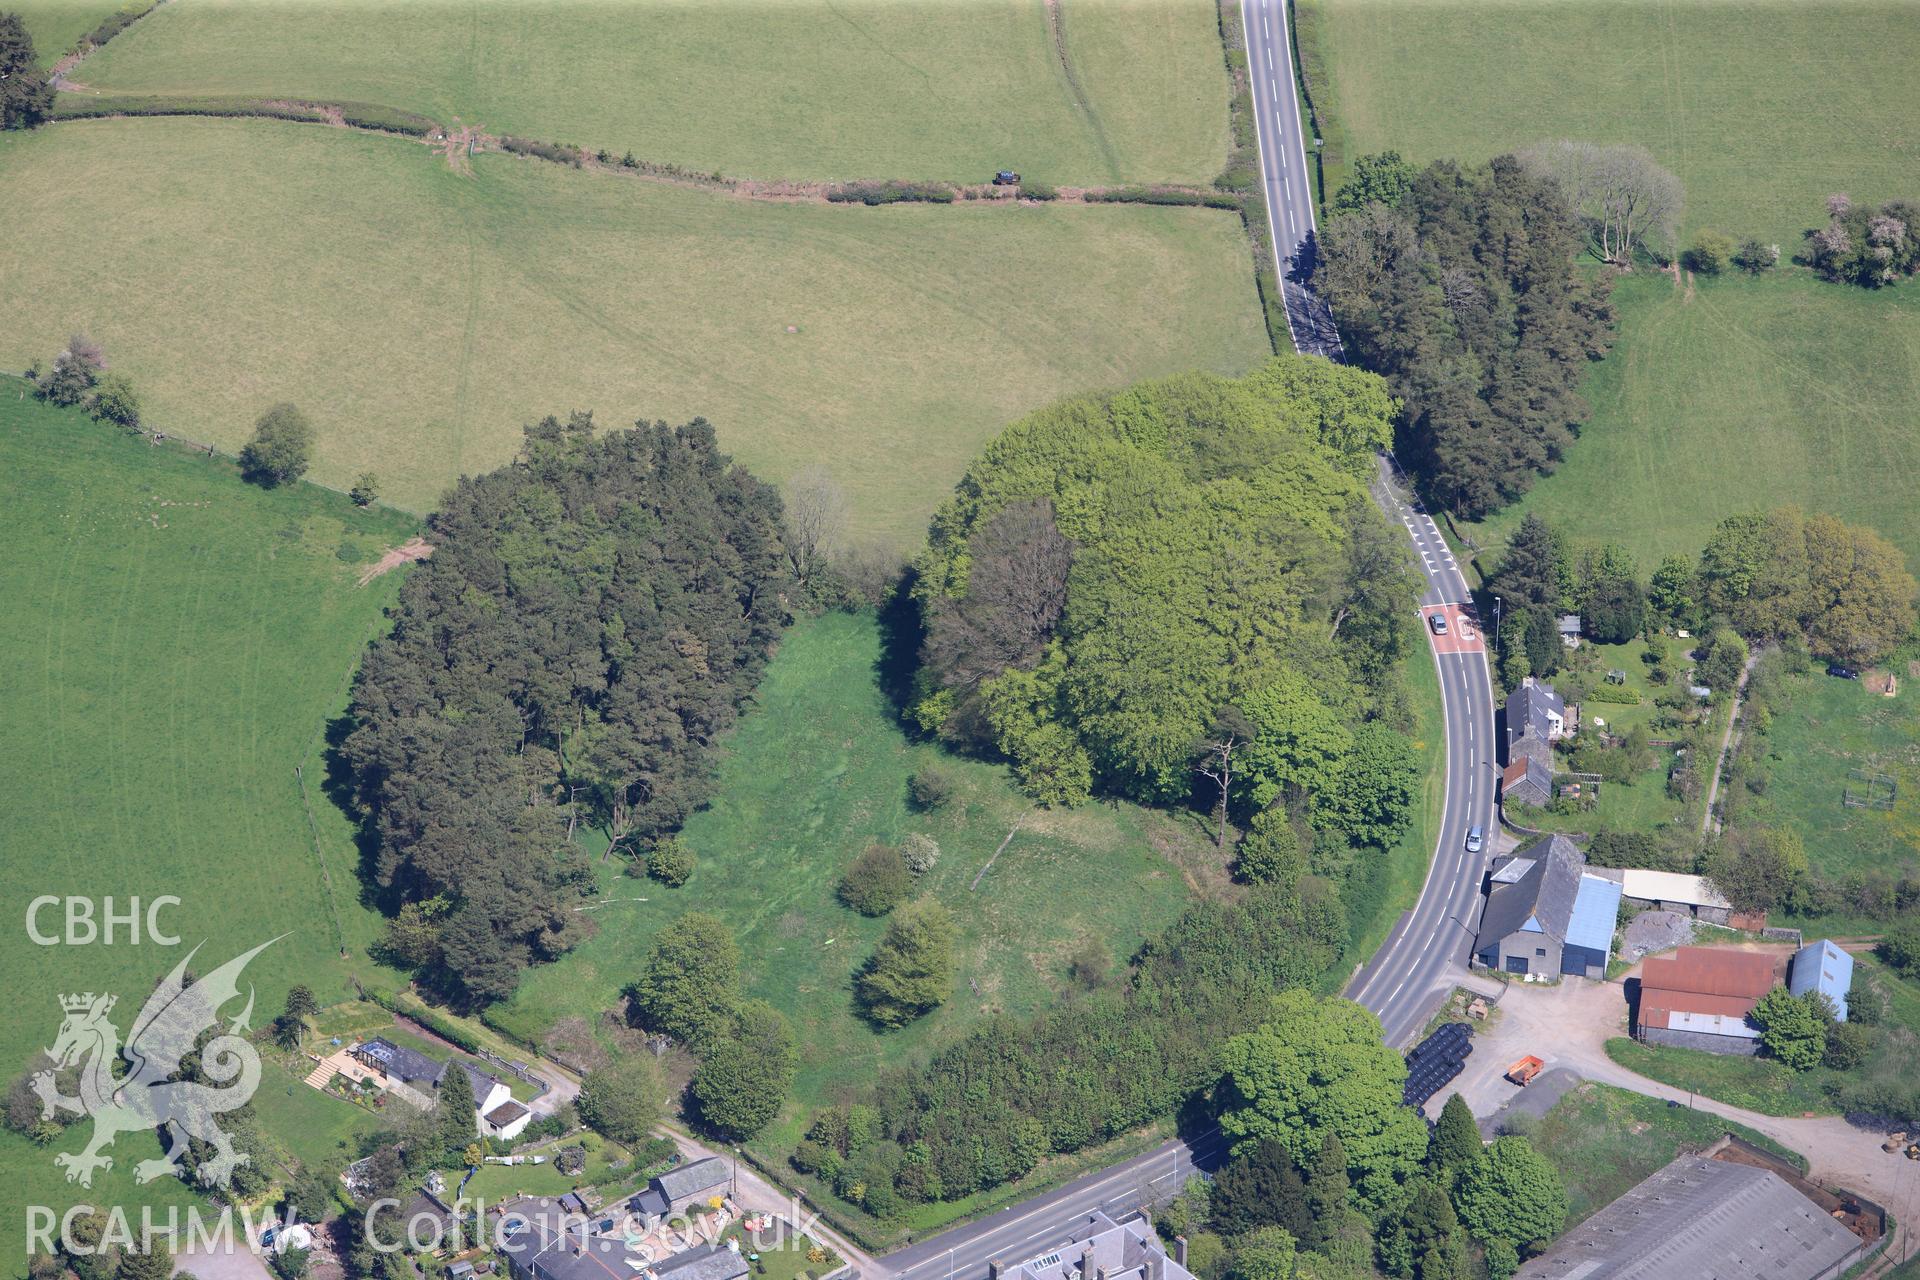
(1822,966)
(1596,909)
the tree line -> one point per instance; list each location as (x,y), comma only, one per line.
(1837,591)
(592,619)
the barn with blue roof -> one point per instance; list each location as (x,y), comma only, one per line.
(1822,966)
(1596,909)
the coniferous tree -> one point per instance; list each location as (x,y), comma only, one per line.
(26,98)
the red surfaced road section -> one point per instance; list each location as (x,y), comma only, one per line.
(1463,633)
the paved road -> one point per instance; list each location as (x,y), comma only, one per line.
(1032,1227)
(1284,175)
(1429,945)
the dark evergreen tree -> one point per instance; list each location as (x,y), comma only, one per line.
(1456,1139)
(1466,297)
(1328,1187)
(25,96)
(1261,1188)
(591,620)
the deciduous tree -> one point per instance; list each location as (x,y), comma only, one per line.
(624,1099)
(1318,1066)
(689,981)
(746,1072)
(1511,1192)
(1790,1030)
(281,448)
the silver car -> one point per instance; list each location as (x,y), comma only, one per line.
(1476,839)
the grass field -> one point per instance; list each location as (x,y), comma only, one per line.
(1762,109)
(175,643)
(1605,1140)
(1826,729)
(1749,394)
(816,772)
(422,317)
(57,25)
(777,89)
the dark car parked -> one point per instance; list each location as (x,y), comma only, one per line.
(1845,673)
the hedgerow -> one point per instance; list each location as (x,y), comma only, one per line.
(877,193)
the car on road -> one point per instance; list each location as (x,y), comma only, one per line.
(1476,839)
(1845,673)
(1438,621)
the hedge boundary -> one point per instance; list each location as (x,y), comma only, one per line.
(367,116)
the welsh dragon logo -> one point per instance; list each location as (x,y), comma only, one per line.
(148,1097)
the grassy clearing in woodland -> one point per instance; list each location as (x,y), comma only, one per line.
(175,643)
(1746,395)
(815,773)
(422,316)
(1761,108)
(787,89)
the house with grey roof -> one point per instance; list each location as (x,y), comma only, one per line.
(1822,966)
(1708,1217)
(687,1187)
(1528,780)
(1545,915)
(1534,711)
(544,1240)
(1098,1248)
(415,1078)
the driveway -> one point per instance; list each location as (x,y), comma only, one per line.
(1567,1027)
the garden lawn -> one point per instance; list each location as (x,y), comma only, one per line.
(422,317)
(498,1183)
(175,642)
(1827,729)
(808,89)
(1605,1140)
(1748,395)
(816,771)
(1761,108)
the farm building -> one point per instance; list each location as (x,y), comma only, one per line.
(1545,916)
(1822,966)
(1729,1211)
(1699,998)
(1670,891)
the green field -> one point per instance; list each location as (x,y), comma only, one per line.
(1749,394)
(1822,731)
(1605,1140)
(816,772)
(57,25)
(422,317)
(1762,109)
(175,643)
(810,89)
